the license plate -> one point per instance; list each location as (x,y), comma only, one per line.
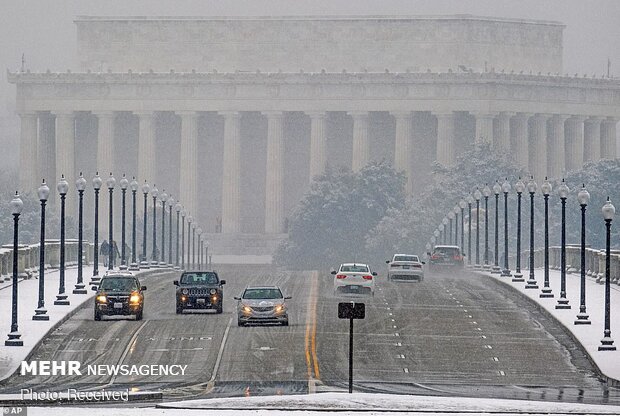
(200,300)
(405,267)
(353,287)
(118,305)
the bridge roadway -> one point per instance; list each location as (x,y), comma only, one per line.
(457,335)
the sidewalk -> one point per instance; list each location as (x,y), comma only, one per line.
(588,335)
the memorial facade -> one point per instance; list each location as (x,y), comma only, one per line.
(234,116)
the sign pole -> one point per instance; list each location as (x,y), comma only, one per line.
(351,355)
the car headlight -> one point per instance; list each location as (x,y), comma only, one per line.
(185,291)
(246,309)
(134,298)
(280,308)
(213,291)
(102,299)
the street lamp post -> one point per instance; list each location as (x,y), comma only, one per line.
(477,196)
(505,189)
(134,190)
(435,238)
(470,200)
(199,232)
(178,207)
(97,182)
(171,203)
(111,182)
(486,192)
(207,254)
(445,229)
(194,245)
(442,234)
(190,219)
(582,317)
(40,314)
(183,239)
(531,188)
(456,211)
(63,188)
(563,301)
(518,276)
(462,205)
(546,291)
(162,258)
(450,220)
(144,263)
(124,185)
(80,185)
(14,336)
(154,194)
(607,343)
(497,189)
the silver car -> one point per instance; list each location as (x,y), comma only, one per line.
(262,304)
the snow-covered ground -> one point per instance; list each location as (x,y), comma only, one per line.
(588,335)
(342,404)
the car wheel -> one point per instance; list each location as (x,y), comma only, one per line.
(139,315)
(179,309)
(285,323)
(97,316)
(220,307)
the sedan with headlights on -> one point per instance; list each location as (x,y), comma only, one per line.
(262,304)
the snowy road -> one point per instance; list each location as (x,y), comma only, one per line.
(459,335)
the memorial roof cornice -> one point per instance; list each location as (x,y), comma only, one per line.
(317,17)
(308,78)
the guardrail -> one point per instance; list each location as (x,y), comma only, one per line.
(28,257)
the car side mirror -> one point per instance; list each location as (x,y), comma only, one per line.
(237,298)
(387,262)
(333,272)
(423,262)
(288,297)
(176,283)
(374,273)
(94,288)
(222,282)
(143,288)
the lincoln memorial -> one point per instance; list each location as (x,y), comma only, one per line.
(234,116)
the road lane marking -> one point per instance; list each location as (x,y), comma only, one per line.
(218,360)
(131,346)
(495,359)
(501,373)
(312,361)
(406,370)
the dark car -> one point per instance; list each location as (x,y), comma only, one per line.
(199,290)
(445,257)
(119,293)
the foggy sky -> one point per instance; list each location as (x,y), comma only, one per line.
(43,30)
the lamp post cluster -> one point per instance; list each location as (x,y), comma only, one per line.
(531,187)
(168,204)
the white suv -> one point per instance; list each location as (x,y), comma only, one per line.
(405,267)
(354,278)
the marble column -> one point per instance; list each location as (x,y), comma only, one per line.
(592,139)
(28,157)
(445,139)
(105,143)
(47,147)
(574,142)
(274,202)
(65,154)
(484,128)
(361,146)
(146,148)
(538,147)
(556,147)
(189,161)
(608,138)
(501,131)
(231,175)
(519,139)
(403,146)
(318,159)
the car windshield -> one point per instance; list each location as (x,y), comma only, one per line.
(446,251)
(262,293)
(406,258)
(354,268)
(118,284)
(202,278)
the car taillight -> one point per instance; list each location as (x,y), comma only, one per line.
(341,276)
(418,266)
(367,277)
(435,257)
(457,257)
